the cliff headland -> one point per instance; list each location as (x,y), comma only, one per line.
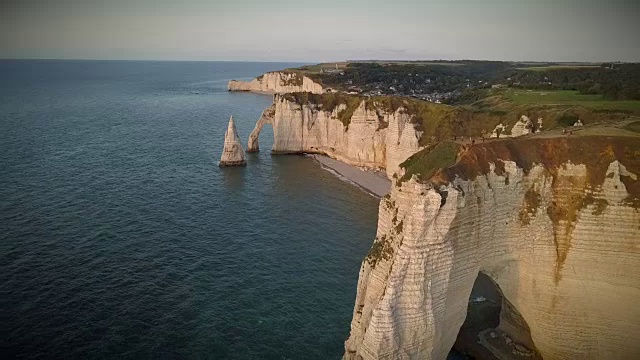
(553,221)
(548,209)
(277,82)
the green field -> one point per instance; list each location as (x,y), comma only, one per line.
(317,67)
(569,97)
(313,69)
(422,63)
(559,67)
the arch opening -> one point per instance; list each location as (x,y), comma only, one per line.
(493,327)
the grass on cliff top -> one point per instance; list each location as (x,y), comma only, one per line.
(295,80)
(425,163)
(328,102)
(557,109)
(551,152)
(559,67)
(313,69)
(439,122)
(435,121)
(342,65)
(568,97)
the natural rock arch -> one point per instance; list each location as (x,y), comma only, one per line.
(266,118)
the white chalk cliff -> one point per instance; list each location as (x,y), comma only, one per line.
(371,138)
(232,153)
(278,82)
(554,222)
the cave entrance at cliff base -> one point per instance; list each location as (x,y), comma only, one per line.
(493,327)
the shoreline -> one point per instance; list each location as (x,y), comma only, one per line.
(371,181)
(253,91)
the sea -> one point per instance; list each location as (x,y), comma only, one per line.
(121,238)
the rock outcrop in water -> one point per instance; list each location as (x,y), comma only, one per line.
(232,154)
(554,221)
(278,82)
(367,138)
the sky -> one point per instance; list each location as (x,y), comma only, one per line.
(321,30)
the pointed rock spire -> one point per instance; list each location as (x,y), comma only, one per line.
(232,154)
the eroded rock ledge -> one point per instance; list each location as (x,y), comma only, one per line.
(554,222)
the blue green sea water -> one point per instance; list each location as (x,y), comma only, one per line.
(121,238)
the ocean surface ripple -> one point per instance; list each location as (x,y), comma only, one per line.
(121,238)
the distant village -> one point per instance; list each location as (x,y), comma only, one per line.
(409,84)
(447,81)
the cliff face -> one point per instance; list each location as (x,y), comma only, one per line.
(370,138)
(277,82)
(554,222)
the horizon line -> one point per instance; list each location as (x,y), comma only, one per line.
(316,62)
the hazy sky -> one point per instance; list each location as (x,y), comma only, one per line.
(321,30)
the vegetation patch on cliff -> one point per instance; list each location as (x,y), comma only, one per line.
(436,122)
(532,201)
(597,152)
(425,163)
(439,122)
(270,111)
(599,205)
(399,226)
(328,102)
(634,126)
(380,250)
(568,200)
(293,79)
